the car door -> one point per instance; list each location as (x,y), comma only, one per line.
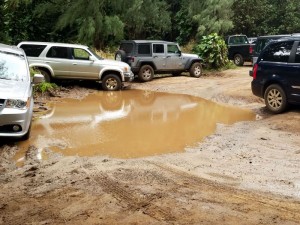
(58,58)
(294,73)
(82,66)
(174,60)
(159,56)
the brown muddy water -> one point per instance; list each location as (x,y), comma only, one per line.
(128,124)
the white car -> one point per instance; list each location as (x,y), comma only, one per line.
(16,100)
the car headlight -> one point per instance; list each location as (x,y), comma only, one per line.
(17,103)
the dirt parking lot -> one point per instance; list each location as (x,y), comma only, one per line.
(246,173)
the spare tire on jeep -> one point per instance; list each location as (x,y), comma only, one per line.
(120,56)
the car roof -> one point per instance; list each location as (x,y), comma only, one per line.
(51,44)
(147,41)
(273,36)
(11,49)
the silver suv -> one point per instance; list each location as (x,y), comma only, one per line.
(147,58)
(72,61)
(16,96)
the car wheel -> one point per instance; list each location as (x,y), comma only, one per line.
(238,60)
(275,99)
(111,82)
(146,73)
(46,75)
(196,70)
(120,56)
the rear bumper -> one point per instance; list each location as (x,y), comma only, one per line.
(257,88)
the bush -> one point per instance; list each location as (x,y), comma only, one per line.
(213,50)
(44,87)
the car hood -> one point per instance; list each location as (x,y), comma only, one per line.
(190,55)
(11,89)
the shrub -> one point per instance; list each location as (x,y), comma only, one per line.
(44,87)
(213,50)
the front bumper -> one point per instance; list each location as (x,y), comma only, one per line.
(128,77)
(14,117)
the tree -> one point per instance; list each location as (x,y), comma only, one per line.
(212,16)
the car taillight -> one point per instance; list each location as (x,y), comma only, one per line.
(131,59)
(250,49)
(254,71)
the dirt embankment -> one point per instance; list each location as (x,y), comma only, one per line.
(246,173)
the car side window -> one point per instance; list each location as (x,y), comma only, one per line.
(158,48)
(173,49)
(297,57)
(58,52)
(278,52)
(33,50)
(80,54)
(144,49)
(238,40)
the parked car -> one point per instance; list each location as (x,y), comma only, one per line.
(276,74)
(239,49)
(72,61)
(252,40)
(147,58)
(262,41)
(16,97)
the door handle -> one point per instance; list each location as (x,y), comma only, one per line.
(168,56)
(75,64)
(155,56)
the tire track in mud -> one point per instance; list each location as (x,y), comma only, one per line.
(236,199)
(133,199)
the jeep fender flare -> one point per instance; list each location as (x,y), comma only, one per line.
(146,62)
(111,69)
(190,63)
(43,66)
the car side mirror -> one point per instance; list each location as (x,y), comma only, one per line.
(179,53)
(92,58)
(38,78)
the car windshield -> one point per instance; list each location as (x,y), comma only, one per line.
(95,54)
(13,67)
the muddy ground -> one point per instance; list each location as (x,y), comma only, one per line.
(246,173)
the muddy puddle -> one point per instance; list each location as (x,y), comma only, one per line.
(128,124)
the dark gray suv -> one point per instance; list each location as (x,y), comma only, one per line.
(147,58)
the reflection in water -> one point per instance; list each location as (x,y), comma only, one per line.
(130,124)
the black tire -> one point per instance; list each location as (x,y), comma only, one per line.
(111,82)
(275,99)
(46,75)
(238,60)
(120,56)
(196,70)
(146,73)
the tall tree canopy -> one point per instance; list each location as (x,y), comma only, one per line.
(102,23)
(212,16)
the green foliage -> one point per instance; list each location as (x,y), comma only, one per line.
(263,17)
(212,16)
(44,87)
(213,50)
